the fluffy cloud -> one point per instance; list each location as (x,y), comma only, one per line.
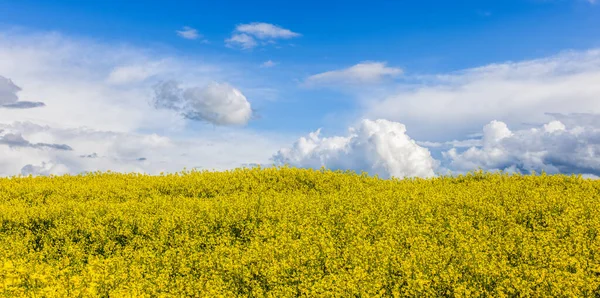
(9,98)
(189,33)
(553,148)
(378,147)
(362,73)
(452,105)
(247,36)
(217,103)
(382,147)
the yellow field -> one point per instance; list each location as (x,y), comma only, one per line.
(289,232)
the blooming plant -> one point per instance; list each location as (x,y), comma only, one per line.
(281,232)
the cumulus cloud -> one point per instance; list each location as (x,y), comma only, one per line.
(382,147)
(217,103)
(452,105)
(361,73)
(247,36)
(378,147)
(189,33)
(553,148)
(9,98)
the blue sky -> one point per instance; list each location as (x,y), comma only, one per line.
(455,75)
(421,35)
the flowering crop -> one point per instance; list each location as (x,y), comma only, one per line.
(280,232)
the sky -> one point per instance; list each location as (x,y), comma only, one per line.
(393,88)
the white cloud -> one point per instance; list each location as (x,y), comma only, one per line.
(71,76)
(577,119)
(99,113)
(128,74)
(268,64)
(266,31)
(553,148)
(378,147)
(245,41)
(217,103)
(362,73)
(189,33)
(247,36)
(455,104)
(382,147)
(94,150)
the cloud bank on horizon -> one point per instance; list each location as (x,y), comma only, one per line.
(134,110)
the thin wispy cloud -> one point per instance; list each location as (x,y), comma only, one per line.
(247,36)
(244,41)
(268,63)
(362,73)
(266,31)
(189,33)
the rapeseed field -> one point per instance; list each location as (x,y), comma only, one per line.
(286,232)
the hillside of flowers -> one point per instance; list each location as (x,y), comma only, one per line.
(287,232)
